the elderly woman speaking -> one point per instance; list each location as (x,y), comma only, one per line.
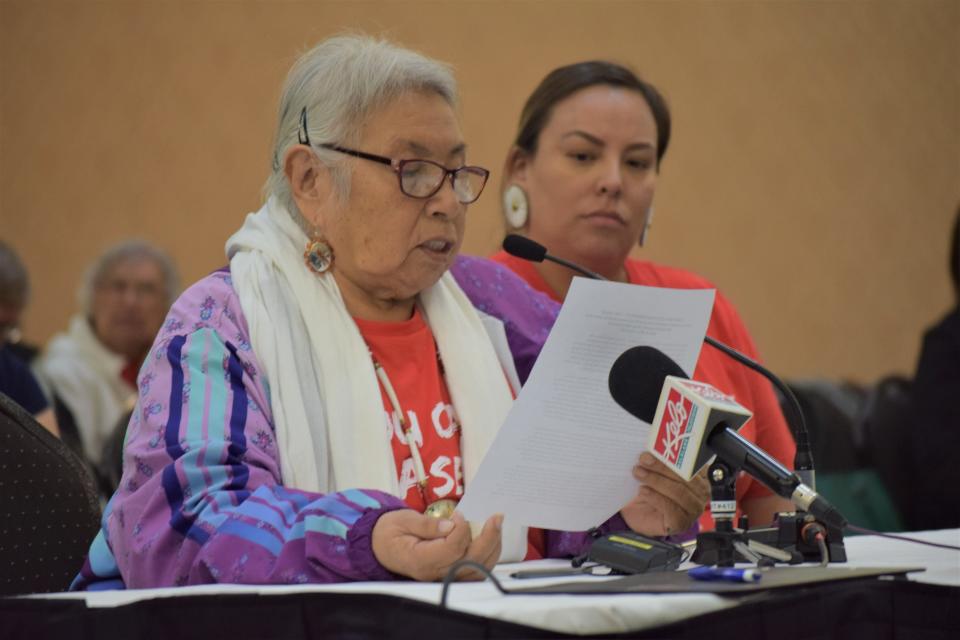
(313,412)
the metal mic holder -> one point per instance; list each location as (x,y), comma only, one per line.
(719,547)
(785,541)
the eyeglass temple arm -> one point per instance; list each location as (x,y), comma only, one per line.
(358,154)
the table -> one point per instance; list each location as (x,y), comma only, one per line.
(927,605)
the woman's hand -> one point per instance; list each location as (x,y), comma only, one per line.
(424,548)
(665,504)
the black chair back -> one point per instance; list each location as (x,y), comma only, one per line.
(49,509)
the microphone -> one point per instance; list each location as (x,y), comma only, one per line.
(526,249)
(532,251)
(694,421)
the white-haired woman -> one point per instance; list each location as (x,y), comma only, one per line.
(91,368)
(313,412)
(259,451)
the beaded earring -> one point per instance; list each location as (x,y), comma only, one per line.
(319,255)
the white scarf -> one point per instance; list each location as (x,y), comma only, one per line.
(85,374)
(327,409)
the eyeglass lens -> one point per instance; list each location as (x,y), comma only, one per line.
(421,179)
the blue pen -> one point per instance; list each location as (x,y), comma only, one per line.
(727,574)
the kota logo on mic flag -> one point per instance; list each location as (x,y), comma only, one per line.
(673,433)
(709,392)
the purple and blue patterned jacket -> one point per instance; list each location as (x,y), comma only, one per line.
(201,499)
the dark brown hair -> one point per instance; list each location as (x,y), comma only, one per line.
(565,81)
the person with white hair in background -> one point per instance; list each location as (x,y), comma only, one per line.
(91,369)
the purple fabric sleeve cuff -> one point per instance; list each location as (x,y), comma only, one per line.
(360,545)
(617,523)
(569,544)
(684,536)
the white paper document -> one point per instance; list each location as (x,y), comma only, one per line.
(563,458)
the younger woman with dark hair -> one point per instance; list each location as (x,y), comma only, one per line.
(580,179)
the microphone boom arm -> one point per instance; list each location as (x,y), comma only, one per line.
(574,267)
(804,460)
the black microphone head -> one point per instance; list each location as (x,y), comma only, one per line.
(523,247)
(636,379)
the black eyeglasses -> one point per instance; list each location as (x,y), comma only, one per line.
(417,178)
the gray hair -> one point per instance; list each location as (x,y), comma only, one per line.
(128,250)
(340,82)
(14,281)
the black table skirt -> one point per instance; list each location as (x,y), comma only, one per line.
(878,610)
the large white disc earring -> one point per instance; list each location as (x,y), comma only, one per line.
(515,206)
(647,223)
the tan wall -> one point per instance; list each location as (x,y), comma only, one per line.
(813,173)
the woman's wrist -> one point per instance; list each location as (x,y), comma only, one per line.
(360,549)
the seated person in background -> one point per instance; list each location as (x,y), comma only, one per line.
(92,368)
(580,180)
(312,412)
(16,379)
(935,414)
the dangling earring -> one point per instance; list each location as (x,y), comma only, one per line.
(319,254)
(646,226)
(515,206)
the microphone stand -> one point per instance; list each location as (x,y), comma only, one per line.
(786,541)
(717,547)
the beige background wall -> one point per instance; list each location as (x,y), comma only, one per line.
(813,174)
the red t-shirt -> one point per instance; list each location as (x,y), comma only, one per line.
(407,352)
(768,428)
